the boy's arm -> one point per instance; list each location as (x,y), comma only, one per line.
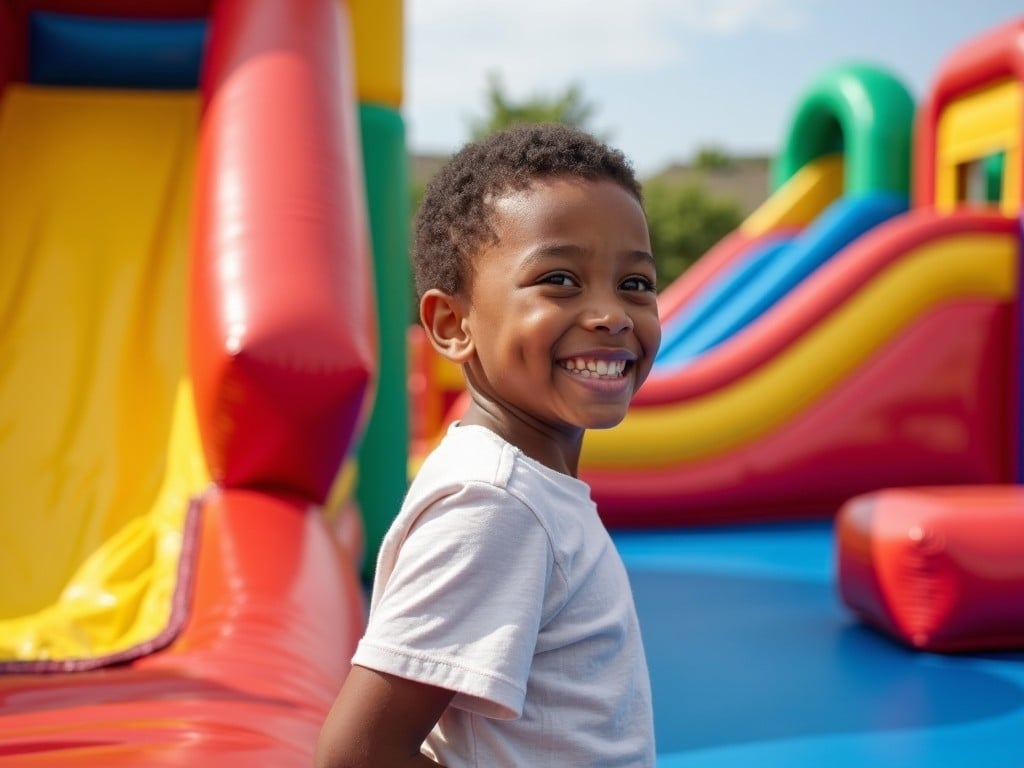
(380,720)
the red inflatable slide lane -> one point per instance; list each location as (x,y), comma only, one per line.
(247,683)
(946,363)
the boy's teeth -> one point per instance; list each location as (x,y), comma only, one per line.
(596,367)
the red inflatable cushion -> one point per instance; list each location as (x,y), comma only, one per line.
(941,569)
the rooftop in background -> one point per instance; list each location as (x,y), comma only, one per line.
(743,179)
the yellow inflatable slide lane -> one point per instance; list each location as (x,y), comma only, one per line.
(94,207)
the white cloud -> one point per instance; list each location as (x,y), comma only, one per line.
(540,46)
(667,76)
(739,15)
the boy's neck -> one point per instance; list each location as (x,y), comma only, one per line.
(557,449)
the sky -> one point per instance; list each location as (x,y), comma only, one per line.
(669,77)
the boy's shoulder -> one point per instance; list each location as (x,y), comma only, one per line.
(477,481)
(476,455)
(468,454)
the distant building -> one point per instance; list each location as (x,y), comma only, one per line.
(747,180)
(423,167)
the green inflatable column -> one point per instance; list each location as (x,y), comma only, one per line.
(383,454)
(863,112)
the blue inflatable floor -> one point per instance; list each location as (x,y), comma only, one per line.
(755,662)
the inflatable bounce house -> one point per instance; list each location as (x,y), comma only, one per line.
(193,194)
(831,440)
(830,443)
(836,343)
(840,343)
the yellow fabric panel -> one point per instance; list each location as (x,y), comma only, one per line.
(737,414)
(122,594)
(800,200)
(95,190)
(981,123)
(378,36)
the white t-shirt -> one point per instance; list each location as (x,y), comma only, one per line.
(498,581)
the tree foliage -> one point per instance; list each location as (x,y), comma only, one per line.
(685,221)
(568,107)
(713,158)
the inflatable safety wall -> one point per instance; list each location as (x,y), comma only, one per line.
(190,359)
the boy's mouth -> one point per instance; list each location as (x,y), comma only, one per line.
(593,368)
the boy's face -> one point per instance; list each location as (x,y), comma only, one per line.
(562,310)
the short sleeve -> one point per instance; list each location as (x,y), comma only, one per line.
(462,606)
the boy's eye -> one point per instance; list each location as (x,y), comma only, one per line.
(560,279)
(637,283)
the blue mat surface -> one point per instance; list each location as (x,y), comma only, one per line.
(755,662)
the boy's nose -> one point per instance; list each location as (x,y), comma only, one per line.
(611,318)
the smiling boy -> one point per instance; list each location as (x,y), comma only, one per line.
(502,630)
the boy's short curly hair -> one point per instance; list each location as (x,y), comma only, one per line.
(453,221)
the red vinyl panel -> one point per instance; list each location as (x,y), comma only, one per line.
(940,569)
(282,333)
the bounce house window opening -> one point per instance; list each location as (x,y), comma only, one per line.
(981,181)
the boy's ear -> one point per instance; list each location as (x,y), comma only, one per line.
(444,319)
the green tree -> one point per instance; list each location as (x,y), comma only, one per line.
(685,221)
(713,158)
(568,107)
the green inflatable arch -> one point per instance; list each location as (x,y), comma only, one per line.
(862,112)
